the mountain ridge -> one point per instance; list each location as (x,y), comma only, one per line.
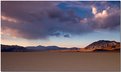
(97,46)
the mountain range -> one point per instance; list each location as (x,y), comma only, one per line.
(98,46)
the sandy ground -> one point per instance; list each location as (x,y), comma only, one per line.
(60,62)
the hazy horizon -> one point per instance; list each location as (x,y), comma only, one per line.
(59,23)
(50,45)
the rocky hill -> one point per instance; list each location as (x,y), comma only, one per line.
(103,45)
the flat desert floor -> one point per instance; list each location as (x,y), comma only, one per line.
(60,62)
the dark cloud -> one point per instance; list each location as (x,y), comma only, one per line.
(111,22)
(39,20)
(67,35)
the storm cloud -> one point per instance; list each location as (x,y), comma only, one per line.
(40,20)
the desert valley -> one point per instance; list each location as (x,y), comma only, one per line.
(60,36)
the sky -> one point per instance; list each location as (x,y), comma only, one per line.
(59,23)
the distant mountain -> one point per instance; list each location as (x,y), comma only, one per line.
(15,48)
(43,48)
(12,48)
(103,45)
(48,48)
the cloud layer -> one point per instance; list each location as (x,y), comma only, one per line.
(40,20)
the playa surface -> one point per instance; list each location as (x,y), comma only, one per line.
(67,61)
